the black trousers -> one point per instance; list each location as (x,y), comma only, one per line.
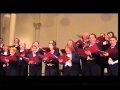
(52,71)
(12,69)
(22,68)
(2,72)
(35,70)
(70,71)
(113,70)
(91,68)
(103,62)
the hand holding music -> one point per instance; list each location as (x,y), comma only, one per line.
(48,56)
(6,60)
(106,54)
(4,65)
(87,52)
(63,59)
(45,58)
(31,62)
(22,55)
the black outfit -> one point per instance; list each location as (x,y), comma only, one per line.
(52,67)
(75,69)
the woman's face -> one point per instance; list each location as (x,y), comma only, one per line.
(70,43)
(67,50)
(51,46)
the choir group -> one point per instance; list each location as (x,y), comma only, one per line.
(91,55)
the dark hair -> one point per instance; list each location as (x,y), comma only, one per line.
(54,43)
(17,39)
(94,35)
(110,32)
(87,37)
(35,41)
(114,37)
(103,33)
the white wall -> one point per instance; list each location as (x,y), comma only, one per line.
(62,27)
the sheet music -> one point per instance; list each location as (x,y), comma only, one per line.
(111,62)
(69,63)
(5,53)
(104,43)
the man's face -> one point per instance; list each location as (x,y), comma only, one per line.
(92,38)
(113,41)
(85,35)
(34,49)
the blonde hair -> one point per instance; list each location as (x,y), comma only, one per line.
(70,47)
(13,48)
